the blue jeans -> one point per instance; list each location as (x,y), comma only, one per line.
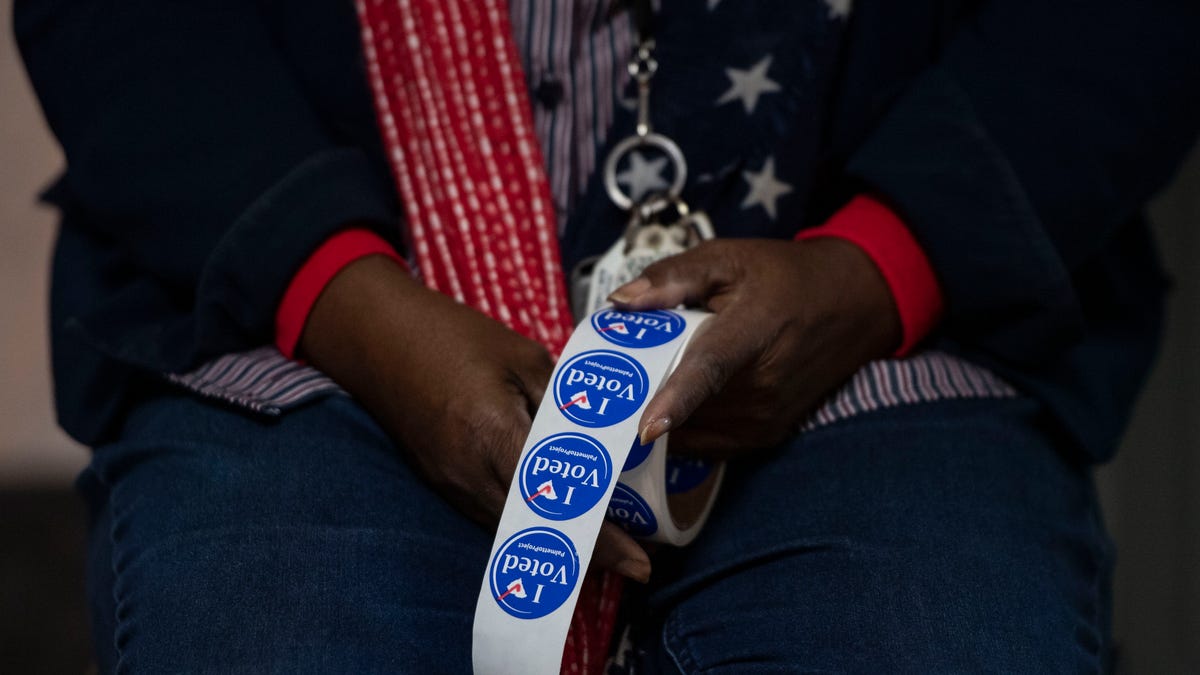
(942,537)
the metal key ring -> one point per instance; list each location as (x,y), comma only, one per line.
(666,145)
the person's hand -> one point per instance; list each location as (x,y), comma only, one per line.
(793,320)
(454,388)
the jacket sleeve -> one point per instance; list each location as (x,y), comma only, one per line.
(1017,157)
(192,152)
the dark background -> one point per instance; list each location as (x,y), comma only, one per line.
(1152,510)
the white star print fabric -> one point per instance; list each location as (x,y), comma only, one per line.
(839,9)
(747,85)
(765,188)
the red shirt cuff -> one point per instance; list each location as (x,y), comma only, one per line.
(883,236)
(321,267)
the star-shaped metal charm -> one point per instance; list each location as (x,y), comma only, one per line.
(748,85)
(642,176)
(765,189)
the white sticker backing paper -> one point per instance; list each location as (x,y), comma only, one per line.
(581,463)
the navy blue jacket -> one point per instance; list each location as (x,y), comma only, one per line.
(212,146)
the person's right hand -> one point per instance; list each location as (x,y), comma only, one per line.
(455,389)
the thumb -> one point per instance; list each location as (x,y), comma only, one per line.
(688,278)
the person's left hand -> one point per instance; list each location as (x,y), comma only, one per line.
(793,320)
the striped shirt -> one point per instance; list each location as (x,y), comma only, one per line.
(575,60)
(575,56)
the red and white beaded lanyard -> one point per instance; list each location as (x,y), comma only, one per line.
(458,129)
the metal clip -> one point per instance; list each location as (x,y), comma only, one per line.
(664,217)
(642,68)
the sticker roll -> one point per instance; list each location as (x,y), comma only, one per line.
(581,463)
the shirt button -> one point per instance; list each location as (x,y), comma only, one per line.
(549,93)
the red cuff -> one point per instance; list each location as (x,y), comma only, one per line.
(886,240)
(321,267)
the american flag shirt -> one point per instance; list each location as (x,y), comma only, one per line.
(575,55)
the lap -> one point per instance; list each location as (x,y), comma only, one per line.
(942,536)
(302,545)
(948,537)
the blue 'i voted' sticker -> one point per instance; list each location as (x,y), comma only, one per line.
(631,512)
(638,329)
(534,572)
(600,388)
(637,454)
(565,475)
(685,473)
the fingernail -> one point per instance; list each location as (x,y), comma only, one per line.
(630,291)
(653,429)
(638,570)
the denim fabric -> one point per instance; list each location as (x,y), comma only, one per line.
(942,537)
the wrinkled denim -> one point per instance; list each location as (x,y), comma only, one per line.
(941,537)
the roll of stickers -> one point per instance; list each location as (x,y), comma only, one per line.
(581,463)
